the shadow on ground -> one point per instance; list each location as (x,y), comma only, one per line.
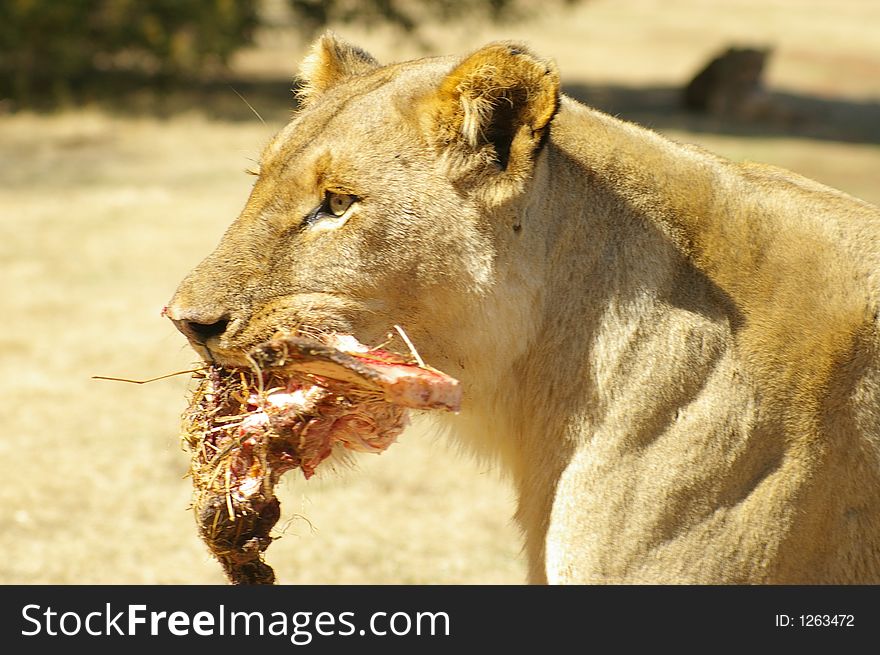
(134,94)
(657,107)
(806,117)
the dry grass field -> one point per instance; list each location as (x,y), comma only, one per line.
(101,214)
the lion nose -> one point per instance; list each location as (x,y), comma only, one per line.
(201,332)
(197,327)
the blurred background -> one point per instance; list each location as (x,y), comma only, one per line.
(125,128)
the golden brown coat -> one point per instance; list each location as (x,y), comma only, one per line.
(673,355)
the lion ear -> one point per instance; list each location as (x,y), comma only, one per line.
(330,61)
(499,102)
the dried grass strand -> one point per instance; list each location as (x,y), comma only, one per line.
(161,377)
(409,344)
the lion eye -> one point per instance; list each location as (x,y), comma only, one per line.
(332,213)
(338,203)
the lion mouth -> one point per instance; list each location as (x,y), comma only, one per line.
(300,400)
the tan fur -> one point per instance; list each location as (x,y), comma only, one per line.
(674,356)
(329,61)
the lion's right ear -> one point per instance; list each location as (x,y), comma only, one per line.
(330,61)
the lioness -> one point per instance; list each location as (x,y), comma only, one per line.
(675,356)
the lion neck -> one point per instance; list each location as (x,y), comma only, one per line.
(612,305)
(592,286)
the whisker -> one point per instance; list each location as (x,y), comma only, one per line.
(250,106)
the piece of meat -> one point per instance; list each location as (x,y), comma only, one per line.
(303,400)
(346,361)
